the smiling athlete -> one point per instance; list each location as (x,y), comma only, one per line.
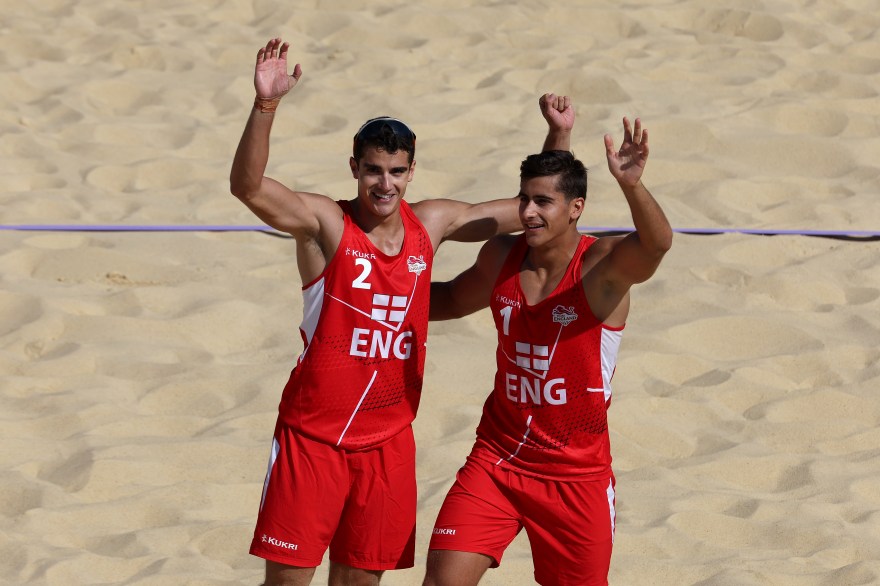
(542,459)
(342,466)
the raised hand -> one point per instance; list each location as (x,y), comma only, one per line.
(270,74)
(557,111)
(627,163)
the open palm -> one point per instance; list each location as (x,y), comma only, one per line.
(628,162)
(270,74)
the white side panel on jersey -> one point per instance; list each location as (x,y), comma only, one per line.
(610,346)
(313,299)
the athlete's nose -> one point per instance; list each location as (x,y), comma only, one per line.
(527,210)
(385,182)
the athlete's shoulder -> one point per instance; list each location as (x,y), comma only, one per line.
(493,255)
(499,245)
(598,248)
(426,208)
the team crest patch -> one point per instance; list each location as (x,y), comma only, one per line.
(564,315)
(416,264)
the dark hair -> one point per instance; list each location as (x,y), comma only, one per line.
(572,180)
(386,133)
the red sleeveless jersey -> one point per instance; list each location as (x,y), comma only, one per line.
(547,415)
(365,320)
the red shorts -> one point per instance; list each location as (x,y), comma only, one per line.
(362,505)
(570,524)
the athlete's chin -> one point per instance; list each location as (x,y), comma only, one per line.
(535,237)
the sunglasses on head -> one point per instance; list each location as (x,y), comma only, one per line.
(376,127)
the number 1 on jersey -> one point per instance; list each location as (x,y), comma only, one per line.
(505,313)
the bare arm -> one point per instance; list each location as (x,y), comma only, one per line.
(448,219)
(559,114)
(463,222)
(471,290)
(297,213)
(636,257)
(271,201)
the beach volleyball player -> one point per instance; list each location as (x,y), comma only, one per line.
(560,301)
(342,468)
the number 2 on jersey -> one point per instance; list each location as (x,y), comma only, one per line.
(366,268)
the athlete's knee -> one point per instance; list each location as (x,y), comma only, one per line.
(284,575)
(342,575)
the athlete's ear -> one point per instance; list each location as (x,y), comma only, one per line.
(412,170)
(577,208)
(354,167)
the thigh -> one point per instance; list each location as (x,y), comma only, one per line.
(303,497)
(377,530)
(571,531)
(455,568)
(477,515)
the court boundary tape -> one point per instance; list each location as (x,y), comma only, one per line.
(851,235)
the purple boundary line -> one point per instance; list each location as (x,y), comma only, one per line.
(132,228)
(753,231)
(243,228)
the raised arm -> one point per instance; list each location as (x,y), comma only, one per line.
(289,211)
(448,219)
(559,114)
(636,257)
(471,290)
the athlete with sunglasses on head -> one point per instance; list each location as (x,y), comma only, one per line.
(342,466)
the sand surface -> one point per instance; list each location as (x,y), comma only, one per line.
(141,371)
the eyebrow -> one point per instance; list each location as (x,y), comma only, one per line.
(398,169)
